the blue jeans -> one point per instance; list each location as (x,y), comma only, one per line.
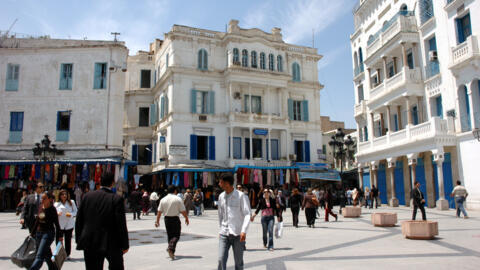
(267,224)
(224,245)
(459,201)
(44,240)
(197,211)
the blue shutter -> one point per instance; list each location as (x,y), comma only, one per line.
(58,120)
(212,102)
(193,101)
(97,76)
(461,37)
(439,106)
(290,109)
(19,121)
(63,82)
(135,152)
(193,146)
(395,120)
(162,107)
(415,115)
(152,114)
(305,111)
(211,147)
(366,133)
(307,151)
(247,148)
(149,155)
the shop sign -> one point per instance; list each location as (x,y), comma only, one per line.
(175,149)
(260,132)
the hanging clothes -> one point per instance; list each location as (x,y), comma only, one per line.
(287,176)
(109,167)
(195,180)
(11,173)
(186,178)
(269,177)
(20,171)
(205,179)
(255,176)
(98,173)
(55,172)
(281,178)
(260,178)
(73,177)
(7,172)
(296,178)
(245,176)
(38,172)
(46,173)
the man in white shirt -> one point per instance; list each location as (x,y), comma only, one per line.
(460,193)
(172,206)
(234,218)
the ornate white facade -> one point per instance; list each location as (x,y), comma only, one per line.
(416,79)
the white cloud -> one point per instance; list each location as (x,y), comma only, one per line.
(331,56)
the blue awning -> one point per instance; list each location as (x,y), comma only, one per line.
(66,161)
(330,175)
(265,168)
(192,170)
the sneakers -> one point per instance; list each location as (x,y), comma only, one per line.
(270,249)
(171,255)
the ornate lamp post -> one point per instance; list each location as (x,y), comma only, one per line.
(342,147)
(45,151)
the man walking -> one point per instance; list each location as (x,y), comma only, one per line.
(234,218)
(375,194)
(154,201)
(30,208)
(460,193)
(135,200)
(172,206)
(101,228)
(418,201)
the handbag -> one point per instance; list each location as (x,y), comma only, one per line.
(25,254)
(279,230)
(59,255)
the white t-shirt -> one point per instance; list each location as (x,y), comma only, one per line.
(66,223)
(171,205)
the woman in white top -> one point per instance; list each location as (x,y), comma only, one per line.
(67,210)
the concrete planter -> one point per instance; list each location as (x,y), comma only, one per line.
(384,219)
(351,211)
(423,230)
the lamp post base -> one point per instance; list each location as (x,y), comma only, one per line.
(393,202)
(442,204)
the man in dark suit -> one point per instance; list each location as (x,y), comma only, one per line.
(101,228)
(418,201)
(30,208)
(135,200)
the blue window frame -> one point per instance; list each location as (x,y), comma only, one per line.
(16,121)
(296,72)
(63,126)
(279,63)
(244,58)
(464,28)
(237,147)
(66,76)
(415,115)
(438,101)
(426,10)
(253,57)
(395,122)
(202,59)
(410,62)
(100,76)
(13,72)
(236,57)
(262,60)
(271,64)
(366,133)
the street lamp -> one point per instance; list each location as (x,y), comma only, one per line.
(342,147)
(45,151)
(476,134)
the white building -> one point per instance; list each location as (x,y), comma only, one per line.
(416,79)
(221,100)
(71,90)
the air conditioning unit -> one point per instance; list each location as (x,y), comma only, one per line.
(432,56)
(202,118)
(236,95)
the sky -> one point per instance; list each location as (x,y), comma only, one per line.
(324,24)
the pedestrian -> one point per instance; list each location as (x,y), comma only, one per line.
(309,203)
(197,203)
(367,197)
(45,229)
(154,201)
(295,204)
(101,227)
(281,205)
(329,205)
(418,201)
(188,201)
(460,193)
(145,202)
(234,219)
(135,200)
(355,196)
(360,196)
(31,206)
(375,198)
(269,210)
(349,196)
(171,206)
(20,205)
(67,211)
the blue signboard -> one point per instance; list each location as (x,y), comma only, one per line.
(260,132)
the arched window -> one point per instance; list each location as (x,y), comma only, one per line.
(262,60)
(202,59)
(244,58)
(253,56)
(296,72)
(279,63)
(370,39)
(360,57)
(271,65)
(236,57)
(355,62)
(403,9)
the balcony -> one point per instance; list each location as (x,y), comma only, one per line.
(357,71)
(421,135)
(407,81)
(432,69)
(402,22)
(15,137)
(464,53)
(361,108)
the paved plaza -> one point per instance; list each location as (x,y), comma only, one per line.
(350,243)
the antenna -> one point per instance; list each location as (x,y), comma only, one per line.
(313,37)
(115,34)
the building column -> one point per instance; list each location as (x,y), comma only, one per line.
(404,55)
(409,115)
(391,166)
(389,121)
(372,131)
(379,75)
(385,74)
(412,163)
(395,70)
(399,117)
(374,173)
(439,157)
(269,144)
(369,78)
(360,175)
(251,144)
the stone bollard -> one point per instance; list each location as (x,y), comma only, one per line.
(351,211)
(422,230)
(384,219)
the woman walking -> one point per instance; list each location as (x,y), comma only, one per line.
(188,201)
(67,211)
(45,229)
(197,202)
(329,205)
(310,202)
(367,197)
(145,203)
(269,210)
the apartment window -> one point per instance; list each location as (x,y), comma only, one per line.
(298,110)
(390,70)
(100,76)
(202,102)
(63,126)
(279,63)
(66,72)
(237,148)
(415,115)
(426,10)
(464,28)
(143,116)
(410,62)
(253,56)
(236,57)
(360,93)
(302,150)
(16,127)
(202,147)
(365,130)
(395,122)
(144,154)
(296,72)
(145,78)
(13,72)
(244,58)
(274,147)
(262,60)
(271,65)
(256,104)
(256,148)
(202,59)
